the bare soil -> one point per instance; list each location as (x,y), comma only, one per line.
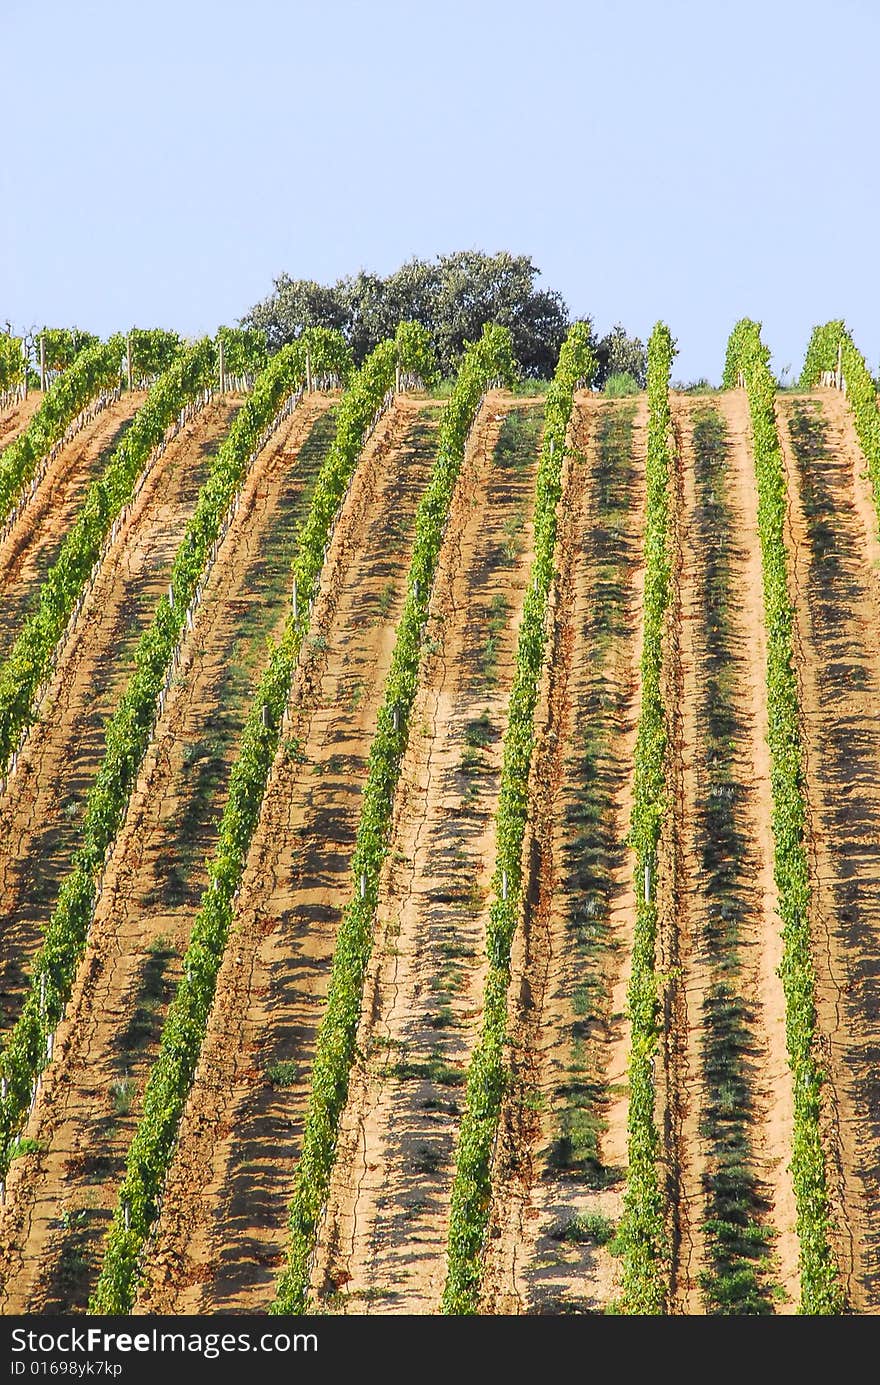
(33,543)
(222,1232)
(14,421)
(40,811)
(730,1091)
(383,1246)
(61,1202)
(561,1153)
(836,589)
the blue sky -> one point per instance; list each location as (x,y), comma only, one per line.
(696,162)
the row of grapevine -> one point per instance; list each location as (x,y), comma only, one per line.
(29,1048)
(92,376)
(747,358)
(12,370)
(829,344)
(469,1210)
(149,354)
(486,362)
(59,348)
(171,1077)
(642,1234)
(183,388)
(244,356)
(95,374)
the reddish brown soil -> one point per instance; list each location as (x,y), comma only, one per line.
(39,813)
(33,543)
(61,1202)
(707,882)
(836,585)
(384,1241)
(221,1235)
(14,421)
(585,722)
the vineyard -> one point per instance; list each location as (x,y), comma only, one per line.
(439,830)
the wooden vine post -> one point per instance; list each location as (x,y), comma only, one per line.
(308,372)
(26,363)
(42,362)
(222,370)
(128,362)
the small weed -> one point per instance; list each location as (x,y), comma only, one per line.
(433,1069)
(72,1221)
(293,750)
(471,761)
(533,1100)
(585,1228)
(386,600)
(122,1093)
(444,1018)
(24,1146)
(512,538)
(478,733)
(426,1159)
(282,1074)
(192,753)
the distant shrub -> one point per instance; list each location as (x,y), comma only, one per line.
(620,384)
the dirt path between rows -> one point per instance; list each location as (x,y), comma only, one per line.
(221,1236)
(834,558)
(61,1204)
(562,1145)
(41,808)
(33,543)
(383,1245)
(14,421)
(731,1089)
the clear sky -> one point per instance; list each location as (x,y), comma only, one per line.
(164,161)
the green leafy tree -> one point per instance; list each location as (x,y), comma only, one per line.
(620,354)
(293,306)
(453,297)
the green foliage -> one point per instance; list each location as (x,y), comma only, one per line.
(748,356)
(487,1076)
(130,728)
(642,1239)
(585,1228)
(244,350)
(619,354)
(11,362)
(736,1277)
(94,370)
(29,660)
(62,346)
(486,361)
(187,1019)
(152,352)
(861,389)
(453,297)
(619,385)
